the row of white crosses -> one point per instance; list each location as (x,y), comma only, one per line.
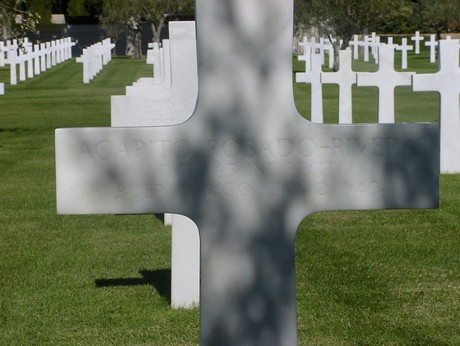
(386,79)
(168,98)
(94,58)
(374,40)
(33,59)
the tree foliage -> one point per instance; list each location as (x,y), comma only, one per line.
(344,18)
(17,19)
(121,16)
(438,16)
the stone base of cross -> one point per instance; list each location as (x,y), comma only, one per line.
(246,168)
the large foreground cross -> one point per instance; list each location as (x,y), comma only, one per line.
(247,168)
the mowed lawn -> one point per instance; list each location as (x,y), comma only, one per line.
(363,278)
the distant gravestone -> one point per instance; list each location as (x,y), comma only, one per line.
(345,78)
(13,60)
(161,82)
(247,169)
(2,53)
(306,55)
(2,89)
(447,82)
(404,48)
(432,44)
(355,45)
(386,79)
(365,45)
(417,38)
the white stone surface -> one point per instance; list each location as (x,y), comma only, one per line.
(158,105)
(185,263)
(447,82)
(386,79)
(2,89)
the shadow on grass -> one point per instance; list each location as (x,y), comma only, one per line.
(159,279)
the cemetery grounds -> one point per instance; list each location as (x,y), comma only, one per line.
(363,278)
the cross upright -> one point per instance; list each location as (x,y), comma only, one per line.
(447,82)
(386,79)
(247,168)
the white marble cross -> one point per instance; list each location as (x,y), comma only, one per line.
(314,78)
(355,43)
(432,43)
(345,78)
(386,79)
(37,53)
(447,82)
(13,60)
(307,52)
(2,53)
(404,48)
(247,169)
(365,45)
(417,38)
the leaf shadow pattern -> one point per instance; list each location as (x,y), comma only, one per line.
(159,279)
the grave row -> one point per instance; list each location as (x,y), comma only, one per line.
(386,79)
(33,59)
(246,168)
(94,58)
(367,47)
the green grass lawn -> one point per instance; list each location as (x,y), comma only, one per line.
(363,278)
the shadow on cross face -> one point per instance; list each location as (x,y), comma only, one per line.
(247,168)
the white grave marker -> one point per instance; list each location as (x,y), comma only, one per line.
(404,48)
(2,53)
(417,38)
(386,79)
(345,78)
(248,169)
(447,83)
(355,43)
(432,44)
(365,45)
(2,89)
